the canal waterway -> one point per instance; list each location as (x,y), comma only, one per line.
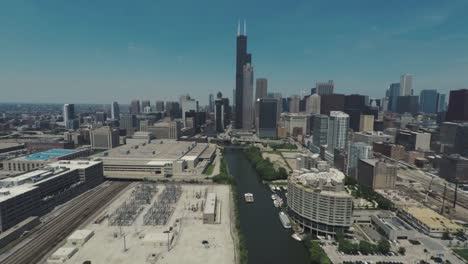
(267,240)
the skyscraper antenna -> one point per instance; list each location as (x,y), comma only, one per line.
(238,27)
(245,28)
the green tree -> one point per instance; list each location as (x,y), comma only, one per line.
(348,247)
(317,254)
(402,250)
(339,236)
(282,173)
(383,246)
(365,247)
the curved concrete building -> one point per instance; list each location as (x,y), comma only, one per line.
(318,202)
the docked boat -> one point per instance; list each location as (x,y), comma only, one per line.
(276,203)
(284,220)
(249,197)
(297,237)
(273,197)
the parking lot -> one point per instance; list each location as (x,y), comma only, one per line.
(413,254)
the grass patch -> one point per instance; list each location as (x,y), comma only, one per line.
(209,169)
(316,252)
(283,146)
(223,177)
(462,252)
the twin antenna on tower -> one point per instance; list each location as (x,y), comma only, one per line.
(238,28)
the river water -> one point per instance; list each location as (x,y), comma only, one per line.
(267,240)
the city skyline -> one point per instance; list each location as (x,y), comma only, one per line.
(140,52)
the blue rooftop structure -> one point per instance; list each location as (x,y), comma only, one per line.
(49,154)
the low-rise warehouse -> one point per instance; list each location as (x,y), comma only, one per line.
(32,193)
(80,237)
(393,227)
(429,221)
(7,146)
(157,158)
(209,212)
(62,255)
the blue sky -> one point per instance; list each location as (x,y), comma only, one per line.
(99,51)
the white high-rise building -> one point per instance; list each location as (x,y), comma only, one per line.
(338,125)
(318,202)
(406,85)
(68,112)
(313,104)
(115,111)
(247,98)
(188,104)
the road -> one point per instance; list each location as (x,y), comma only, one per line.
(38,244)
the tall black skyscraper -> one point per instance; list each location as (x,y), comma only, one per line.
(242,58)
(458,105)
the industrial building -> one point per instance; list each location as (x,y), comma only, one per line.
(36,160)
(318,202)
(392,227)
(156,159)
(7,147)
(79,237)
(34,192)
(428,221)
(209,212)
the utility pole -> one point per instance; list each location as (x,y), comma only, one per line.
(429,189)
(124,242)
(455,195)
(443,199)
(168,240)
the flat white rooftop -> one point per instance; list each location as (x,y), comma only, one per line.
(210,205)
(159,151)
(81,234)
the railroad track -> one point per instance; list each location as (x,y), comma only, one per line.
(57,229)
